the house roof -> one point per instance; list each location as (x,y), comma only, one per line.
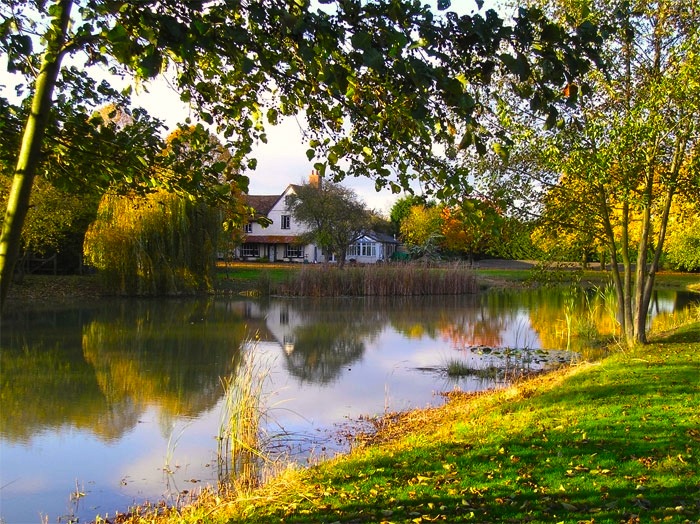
(381,237)
(262,204)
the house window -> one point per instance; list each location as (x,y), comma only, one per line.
(294,251)
(363,249)
(286,221)
(368,249)
(248,228)
(250,250)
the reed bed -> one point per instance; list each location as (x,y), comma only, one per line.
(379,280)
(241,449)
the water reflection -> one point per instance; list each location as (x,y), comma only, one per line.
(100,369)
(107,394)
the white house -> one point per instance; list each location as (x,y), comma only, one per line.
(281,240)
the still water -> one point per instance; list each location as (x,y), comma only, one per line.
(120,402)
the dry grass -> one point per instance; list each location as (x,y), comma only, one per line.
(380,280)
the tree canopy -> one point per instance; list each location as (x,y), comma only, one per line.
(607,171)
(383,84)
(334,215)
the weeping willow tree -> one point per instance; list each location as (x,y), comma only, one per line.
(163,242)
(157,244)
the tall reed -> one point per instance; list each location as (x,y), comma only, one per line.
(380,280)
(240,447)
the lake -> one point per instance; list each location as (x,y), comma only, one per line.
(121,401)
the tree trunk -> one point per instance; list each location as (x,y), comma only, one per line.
(614,261)
(342,255)
(645,285)
(627,275)
(30,149)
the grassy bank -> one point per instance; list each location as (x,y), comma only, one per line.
(614,441)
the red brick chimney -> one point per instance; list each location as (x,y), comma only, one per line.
(314,178)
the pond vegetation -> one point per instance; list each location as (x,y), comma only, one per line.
(378,280)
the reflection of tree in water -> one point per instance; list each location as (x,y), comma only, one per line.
(166,354)
(461,320)
(49,387)
(322,350)
(334,334)
(581,313)
(331,336)
(99,369)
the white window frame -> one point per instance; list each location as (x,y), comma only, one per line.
(368,249)
(248,228)
(292,251)
(250,250)
(286,222)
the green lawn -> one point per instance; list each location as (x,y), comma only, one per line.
(606,442)
(250,278)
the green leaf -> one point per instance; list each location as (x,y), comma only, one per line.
(443,4)
(516,65)
(247,65)
(218,166)
(373,58)
(117,34)
(467,140)
(551,120)
(150,63)
(501,150)
(361,41)
(272,116)
(21,45)
(419,112)
(310,153)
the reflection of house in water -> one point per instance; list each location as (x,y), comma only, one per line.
(282,320)
(316,348)
(273,322)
